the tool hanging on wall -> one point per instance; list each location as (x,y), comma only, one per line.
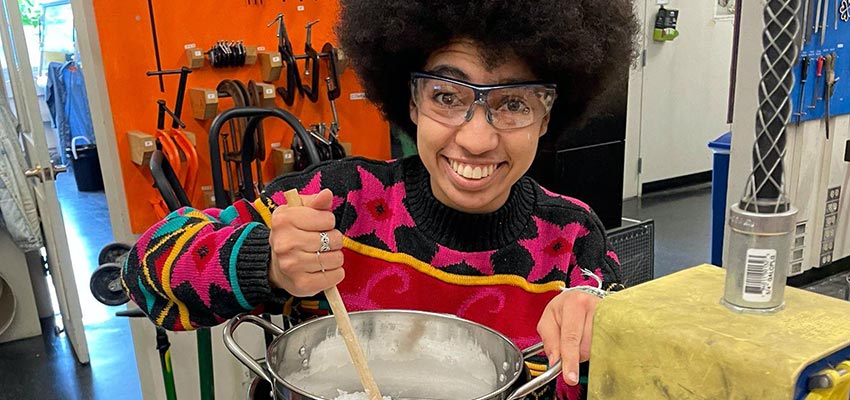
(232,140)
(818,75)
(325,138)
(805,21)
(255,115)
(829,86)
(337,151)
(225,54)
(255,99)
(174,143)
(804,74)
(312,60)
(156,46)
(284,47)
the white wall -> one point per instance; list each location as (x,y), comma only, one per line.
(683,95)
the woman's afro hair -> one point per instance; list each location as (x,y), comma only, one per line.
(581,45)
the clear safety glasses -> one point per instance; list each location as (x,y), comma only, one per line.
(506,107)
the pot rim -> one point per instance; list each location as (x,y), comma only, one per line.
(502,389)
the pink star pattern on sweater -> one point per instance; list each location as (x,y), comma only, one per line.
(553,247)
(315,186)
(479,260)
(312,187)
(567,198)
(381,209)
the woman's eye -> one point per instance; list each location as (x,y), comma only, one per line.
(515,106)
(447,99)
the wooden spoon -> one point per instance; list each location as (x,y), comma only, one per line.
(344,325)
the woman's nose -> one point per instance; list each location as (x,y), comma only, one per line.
(477,135)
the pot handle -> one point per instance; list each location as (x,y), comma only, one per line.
(540,380)
(237,351)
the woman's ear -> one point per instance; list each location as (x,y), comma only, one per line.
(414,113)
(544,127)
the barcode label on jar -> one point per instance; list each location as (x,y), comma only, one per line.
(758,275)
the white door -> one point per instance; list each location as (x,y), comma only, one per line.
(685,91)
(42,175)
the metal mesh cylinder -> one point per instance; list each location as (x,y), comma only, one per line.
(761,224)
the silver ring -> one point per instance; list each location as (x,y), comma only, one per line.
(318,257)
(326,242)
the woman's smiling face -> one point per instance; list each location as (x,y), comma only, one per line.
(473,166)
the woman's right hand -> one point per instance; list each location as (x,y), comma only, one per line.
(296,265)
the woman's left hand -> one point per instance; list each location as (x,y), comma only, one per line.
(565,328)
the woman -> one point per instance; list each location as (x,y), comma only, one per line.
(456,229)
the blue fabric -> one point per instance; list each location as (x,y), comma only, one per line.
(67,100)
(77,102)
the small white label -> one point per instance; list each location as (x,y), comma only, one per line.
(198,53)
(276,59)
(269,91)
(357,96)
(275,145)
(287,156)
(840,45)
(211,96)
(759,272)
(261,48)
(148,143)
(300,8)
(189,46)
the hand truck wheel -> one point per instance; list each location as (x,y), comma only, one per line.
(113,253)
(105,285)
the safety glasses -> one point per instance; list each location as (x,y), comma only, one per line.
(506,107)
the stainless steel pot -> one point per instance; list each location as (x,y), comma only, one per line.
(413,355)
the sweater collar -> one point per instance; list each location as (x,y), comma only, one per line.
(461,231)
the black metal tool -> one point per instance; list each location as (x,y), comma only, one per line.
(312,91)
(156,45)
(818,75)
(181,89)
(293,78)
(333,70)
(804,74)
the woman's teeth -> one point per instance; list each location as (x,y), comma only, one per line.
(470,172)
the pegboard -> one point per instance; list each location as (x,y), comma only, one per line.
(837,41)
(125,36)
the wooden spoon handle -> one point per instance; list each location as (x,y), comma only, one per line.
(344,325)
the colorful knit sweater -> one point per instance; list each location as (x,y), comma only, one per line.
(403,250)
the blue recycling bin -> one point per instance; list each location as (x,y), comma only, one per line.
(719,182)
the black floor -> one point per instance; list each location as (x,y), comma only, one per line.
(682,226)
(45,368)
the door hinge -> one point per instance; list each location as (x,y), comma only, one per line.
(640,165)
(643,58)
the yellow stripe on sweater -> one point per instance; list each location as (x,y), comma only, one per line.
(166,273)
(264,211)
(464,280)
(146,270)
(161,318)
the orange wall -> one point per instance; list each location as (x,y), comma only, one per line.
(127,46)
